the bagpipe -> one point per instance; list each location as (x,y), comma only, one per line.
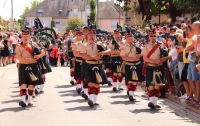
(43,36)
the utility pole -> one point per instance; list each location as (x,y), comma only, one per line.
(11,24)
(12,10)
(119,14)
(97,18)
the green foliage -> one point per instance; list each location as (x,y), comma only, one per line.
(126,6)
(34,5)
(3,23)
(192,6)
(17,26)
(74,22)
(53,24)
(93,11)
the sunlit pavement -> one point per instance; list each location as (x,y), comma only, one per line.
(61,106)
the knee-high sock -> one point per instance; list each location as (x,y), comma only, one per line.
(92,97)
(120,82)
(23,94)
(30,96)
(153,96)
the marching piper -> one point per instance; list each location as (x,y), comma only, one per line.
(131,54)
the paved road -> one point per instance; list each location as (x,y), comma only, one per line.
(61,106)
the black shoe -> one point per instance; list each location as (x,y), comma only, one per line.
(120,89)
(157,106)
(114,89)
(30,104)
(131,98)
(79,90)
(41,92)
(72,83)
(151,105)
(96,104)
(22,104)
(84,96)
(90,103)
(128,93)
(36,92)
(109,84)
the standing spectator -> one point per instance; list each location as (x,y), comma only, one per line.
(5,50)
(1,48)
(54,56)
(193,75)
(14,40)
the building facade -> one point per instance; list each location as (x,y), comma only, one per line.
(59,11)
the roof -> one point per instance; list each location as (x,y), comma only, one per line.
(51,8)
(110,10)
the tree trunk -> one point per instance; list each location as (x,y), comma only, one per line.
(173,11)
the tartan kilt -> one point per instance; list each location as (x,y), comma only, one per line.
(90,75)
(129,73)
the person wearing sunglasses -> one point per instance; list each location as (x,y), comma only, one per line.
(131,55)
(151,69)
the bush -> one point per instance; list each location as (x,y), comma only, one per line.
(74,22)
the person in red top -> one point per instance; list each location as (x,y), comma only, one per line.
(54,55)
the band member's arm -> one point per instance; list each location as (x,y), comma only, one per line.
(151,60)
(43,53)
(107,52)
(88,57)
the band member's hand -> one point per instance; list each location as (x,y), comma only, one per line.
(100,54)
(37,57)
(97,58)
(163,59)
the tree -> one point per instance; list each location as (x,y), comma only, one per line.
(126,6)
(74,22)
(53,24)
(191,6)
(3,23)
(34,5)
(93,11)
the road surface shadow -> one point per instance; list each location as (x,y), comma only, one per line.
(14,96)
(155,111)
(71,91)
(124,102)
(119,96)
(64,86)
(83,108)
(73,95)
(15,87)
(13,109)
(105,87)
(77,100)
(15,91)
(111,92)
(10,101)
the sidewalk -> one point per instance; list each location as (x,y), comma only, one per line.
(182,102)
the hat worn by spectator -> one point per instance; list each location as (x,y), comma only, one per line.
(179,32)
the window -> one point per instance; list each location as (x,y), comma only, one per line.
(57,22)
(114,24)
(40,11)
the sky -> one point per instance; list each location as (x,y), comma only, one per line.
(18,6)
